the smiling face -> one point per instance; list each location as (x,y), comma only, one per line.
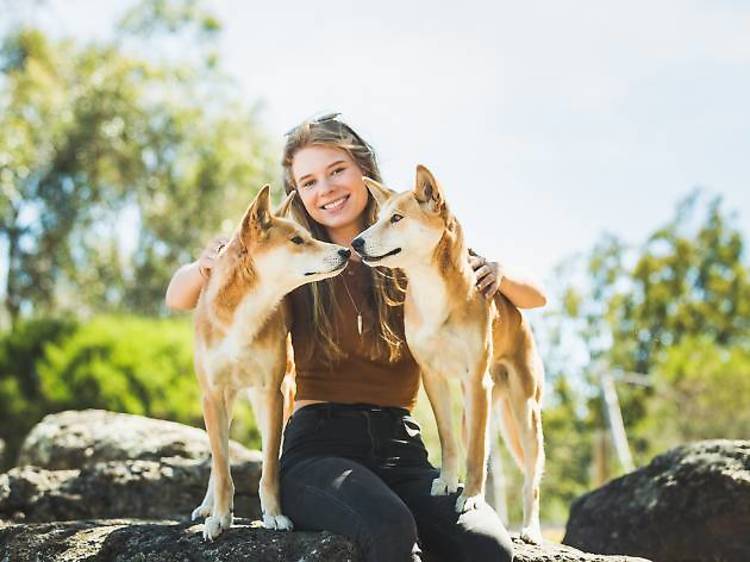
(330,186)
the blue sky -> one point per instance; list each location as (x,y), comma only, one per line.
(547,122)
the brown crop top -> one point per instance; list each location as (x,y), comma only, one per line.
(355,377)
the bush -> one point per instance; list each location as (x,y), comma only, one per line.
(125,364)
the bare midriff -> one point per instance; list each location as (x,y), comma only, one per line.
(299,404)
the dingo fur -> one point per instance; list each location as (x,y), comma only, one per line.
(453,331)
(241,342)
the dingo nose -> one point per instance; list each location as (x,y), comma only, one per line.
(358,244)
(345,253)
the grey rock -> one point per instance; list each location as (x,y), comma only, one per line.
(553,552)
(132,540)
(689,504)
(168,488)
(76,437)
(128,540)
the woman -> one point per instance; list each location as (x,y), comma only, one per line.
(353,461)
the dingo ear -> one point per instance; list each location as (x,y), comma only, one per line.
(285,208)
(380,193)
(427,189)
(258,214)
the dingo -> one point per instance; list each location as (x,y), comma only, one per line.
(241,341)
(452,331)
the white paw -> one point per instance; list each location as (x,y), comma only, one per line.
(441,487)
(277,522)
(201,512)
(532,534)
(467,503)
(214,526)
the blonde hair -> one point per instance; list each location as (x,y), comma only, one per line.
(388,286)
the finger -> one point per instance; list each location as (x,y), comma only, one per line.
(490,291)
(486,282)
(483,271)
(475,262)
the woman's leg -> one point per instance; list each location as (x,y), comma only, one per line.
(344,497)
(445,535)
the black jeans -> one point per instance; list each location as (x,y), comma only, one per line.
(362,471)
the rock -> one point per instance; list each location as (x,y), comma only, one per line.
(552,552)
(124,540)
(132,540)
(169,488)
(691,503)
(73,438)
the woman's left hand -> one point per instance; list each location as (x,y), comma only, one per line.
(488,273)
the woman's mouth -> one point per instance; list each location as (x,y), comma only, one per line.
(336,204)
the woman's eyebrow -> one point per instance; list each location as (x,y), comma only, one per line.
(331,165)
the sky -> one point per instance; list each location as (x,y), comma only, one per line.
(547,123)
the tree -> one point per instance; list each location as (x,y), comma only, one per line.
(629,308)
(114,168)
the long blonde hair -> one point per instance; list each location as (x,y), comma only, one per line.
(388,286)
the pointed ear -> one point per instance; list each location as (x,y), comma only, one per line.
(284,210)
(380,193)
(427,189)
(258,214)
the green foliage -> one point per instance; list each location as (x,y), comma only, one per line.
(22,402)
(115,168)
(702,392)
(676,308)
(120,363)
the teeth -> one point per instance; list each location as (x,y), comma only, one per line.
(334,204)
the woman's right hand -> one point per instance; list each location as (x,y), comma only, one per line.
(187,282)
(208,256)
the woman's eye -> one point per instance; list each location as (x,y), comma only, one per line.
(297,240)
(337,171)
(396,217)
(308,184)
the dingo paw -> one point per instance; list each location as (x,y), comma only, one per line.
(532,534)
(441,487)
(466,503)
(277,522)
(201,512)
(214,526)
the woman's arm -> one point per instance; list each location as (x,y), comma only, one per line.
(491,277)
(185,286)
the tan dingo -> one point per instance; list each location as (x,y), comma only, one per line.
(453,331)
(241,342)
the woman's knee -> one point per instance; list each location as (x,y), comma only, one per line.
(390,533)
(489,548)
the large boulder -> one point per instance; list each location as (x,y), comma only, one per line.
(122,540)
(73,438)
(690,504)
(171,541)
(169,488)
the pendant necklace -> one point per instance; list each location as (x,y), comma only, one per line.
(359,314)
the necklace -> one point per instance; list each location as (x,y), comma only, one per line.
(359,314)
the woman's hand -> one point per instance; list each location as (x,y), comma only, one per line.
(188,281)
(489,274)
(523,292)
(208,256)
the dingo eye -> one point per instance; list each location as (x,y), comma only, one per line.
(396,217)
(297,240)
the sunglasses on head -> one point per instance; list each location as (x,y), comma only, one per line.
(322,119)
